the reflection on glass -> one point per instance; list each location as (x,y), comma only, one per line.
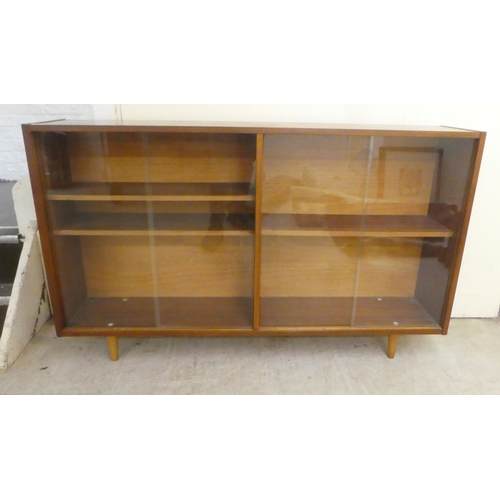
(360,231)
(153,230)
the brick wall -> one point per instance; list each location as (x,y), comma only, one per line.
(12,155)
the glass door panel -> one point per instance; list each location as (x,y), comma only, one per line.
(413,211)
(99,216)
(313,199)
(203,212)
(152,230)
(360,231)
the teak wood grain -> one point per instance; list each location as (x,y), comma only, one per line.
(187,192)
(219,229)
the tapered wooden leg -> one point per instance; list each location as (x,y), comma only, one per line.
(113,348)
(393,344)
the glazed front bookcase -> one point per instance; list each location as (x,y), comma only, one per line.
(247,230)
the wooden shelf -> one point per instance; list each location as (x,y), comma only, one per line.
(153,192)
(172,313)
(379,226)
(386,312)
(91,224)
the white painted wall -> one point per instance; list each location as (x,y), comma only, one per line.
(479,287)
(106,111)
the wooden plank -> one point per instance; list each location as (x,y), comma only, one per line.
(248,332)
(253,128)
(168,267)
(309,267)
(353,226)
(119,267)
(329,267)
(390,312)
(306,311)
(161,158)
(90,224)
(172,313)
(389,267)
(154,192)
(204,267)
(160,207)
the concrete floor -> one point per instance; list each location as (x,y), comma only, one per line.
(467,361)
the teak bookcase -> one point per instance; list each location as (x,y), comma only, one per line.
(192,229)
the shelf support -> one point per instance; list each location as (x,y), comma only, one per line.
(393,344)
(113,348)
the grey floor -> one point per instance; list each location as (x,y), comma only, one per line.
(467,361)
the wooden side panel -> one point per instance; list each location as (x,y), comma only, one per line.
(168,267)
(53,157)
(165,158)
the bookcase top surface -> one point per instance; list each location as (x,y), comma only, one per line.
(249,128)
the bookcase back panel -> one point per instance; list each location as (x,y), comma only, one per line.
(212,266)
(389,267)
(168,267)
(309,267)
(131,207)
(161,158)
(402,183)
(339,267)
(349,175)
(118,267)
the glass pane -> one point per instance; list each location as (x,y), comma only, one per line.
(313,199)
(152,230)
(415,200)
(203,229)
(99,215)
(360,231)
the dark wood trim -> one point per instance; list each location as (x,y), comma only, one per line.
(249,333)
(254,129)
(462,236)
